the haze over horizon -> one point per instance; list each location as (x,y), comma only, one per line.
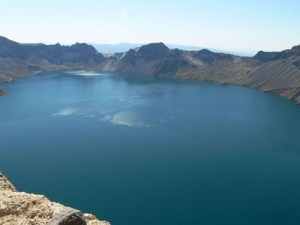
(247,26)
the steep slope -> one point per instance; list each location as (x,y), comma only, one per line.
(22,208)
(279,74)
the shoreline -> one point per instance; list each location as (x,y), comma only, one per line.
(276,91)
(2,91)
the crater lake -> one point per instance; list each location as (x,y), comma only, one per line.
(142,150)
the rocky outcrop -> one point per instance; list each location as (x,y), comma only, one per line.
(30,209)
(68,216)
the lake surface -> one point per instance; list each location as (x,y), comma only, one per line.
(137,150)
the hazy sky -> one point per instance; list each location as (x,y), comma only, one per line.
(236,25)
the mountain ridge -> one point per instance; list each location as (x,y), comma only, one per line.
(123,47)
(276,72)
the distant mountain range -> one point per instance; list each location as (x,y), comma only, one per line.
(124,47)
(276,72)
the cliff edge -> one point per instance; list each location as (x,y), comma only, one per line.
(30,209)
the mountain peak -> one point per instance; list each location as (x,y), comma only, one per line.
(205,51)
(296,48)
(156,44)
(153,47)
(265,56)
(153,51)
(5,41)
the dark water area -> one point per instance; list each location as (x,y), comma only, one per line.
(139,150)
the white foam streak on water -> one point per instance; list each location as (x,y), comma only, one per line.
(86,73)
(128,119)
(125,118)
(85,113)
(66,112)
(106,118)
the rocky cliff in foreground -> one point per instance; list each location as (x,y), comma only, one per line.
(276,72)
(30,209)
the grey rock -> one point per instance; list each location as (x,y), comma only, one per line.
(68,216)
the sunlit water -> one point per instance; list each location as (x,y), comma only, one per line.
(147,151)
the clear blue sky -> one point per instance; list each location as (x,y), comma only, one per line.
(237,25)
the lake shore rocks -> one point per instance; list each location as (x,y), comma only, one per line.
(31,209)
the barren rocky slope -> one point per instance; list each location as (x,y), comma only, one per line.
(20,208)
(277,72)
(280,73)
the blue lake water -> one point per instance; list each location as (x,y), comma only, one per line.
(139,150)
